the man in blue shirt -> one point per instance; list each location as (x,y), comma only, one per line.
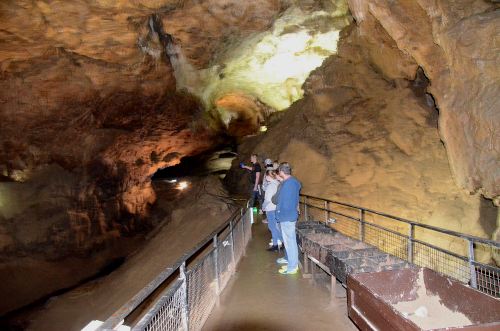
(287,214)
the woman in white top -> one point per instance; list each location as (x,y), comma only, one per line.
(270,208)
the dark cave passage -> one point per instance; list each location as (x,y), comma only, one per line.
(214,162)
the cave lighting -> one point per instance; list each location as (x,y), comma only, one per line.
(182,185)
(271,66)
(274,65)
(263,128)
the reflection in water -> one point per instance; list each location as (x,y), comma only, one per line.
(217,163)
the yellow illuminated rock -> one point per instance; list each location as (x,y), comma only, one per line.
(270,66)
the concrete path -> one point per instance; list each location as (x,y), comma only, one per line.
(259,298)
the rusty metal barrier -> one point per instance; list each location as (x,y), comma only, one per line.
(420,244)
(191,287)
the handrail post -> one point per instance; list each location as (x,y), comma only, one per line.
(249,233)
(327,211)
(243,238)
(252,218)
(472,267)
(231,238)
(362,225)
(306,218)
(411,236)
(185,303)
(216,263)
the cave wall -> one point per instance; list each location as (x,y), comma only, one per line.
(89,110)
(368,132)
(89,87)
(454,42)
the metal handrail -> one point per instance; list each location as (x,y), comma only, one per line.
(470,240)
(118,316)
(425,226)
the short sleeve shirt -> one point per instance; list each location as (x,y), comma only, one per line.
(255,169)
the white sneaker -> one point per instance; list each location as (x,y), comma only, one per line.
(280,244)
(261,212)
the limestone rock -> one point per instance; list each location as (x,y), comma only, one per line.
(455,44)
(377,139)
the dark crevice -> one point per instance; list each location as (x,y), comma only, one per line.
(420,86)
(166,39)
(202,164)
(487,215)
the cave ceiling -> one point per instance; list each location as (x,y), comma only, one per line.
(71,67)
(105,93)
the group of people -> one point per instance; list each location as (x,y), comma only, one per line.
(277,192)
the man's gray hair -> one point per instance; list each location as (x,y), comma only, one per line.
(285,168)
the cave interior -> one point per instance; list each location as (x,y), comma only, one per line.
(120,118)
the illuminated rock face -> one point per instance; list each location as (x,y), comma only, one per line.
(268,67)
(454,42)
(367,133)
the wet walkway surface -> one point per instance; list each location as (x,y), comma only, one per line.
(259,298)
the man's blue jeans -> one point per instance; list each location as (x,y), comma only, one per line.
(273,227)
(255,196)
(290,240)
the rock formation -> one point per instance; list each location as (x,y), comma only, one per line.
(88,112)
(96,96)
(367,132)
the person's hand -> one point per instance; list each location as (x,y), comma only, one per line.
(255,189)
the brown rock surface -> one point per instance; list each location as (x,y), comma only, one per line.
(454,42)
(88,112)
(366,133)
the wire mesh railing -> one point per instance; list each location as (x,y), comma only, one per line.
(196,282)
(457,255)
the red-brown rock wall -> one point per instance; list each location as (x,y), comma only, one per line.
(88,112)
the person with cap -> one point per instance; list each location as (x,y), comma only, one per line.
(269,166)
(270,208)
(268,163)
(287,215)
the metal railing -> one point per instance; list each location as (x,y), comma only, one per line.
(424,245)
(183,295)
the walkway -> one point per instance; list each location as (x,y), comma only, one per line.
(258,298)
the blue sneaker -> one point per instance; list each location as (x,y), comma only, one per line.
(286,271)
(281,260)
